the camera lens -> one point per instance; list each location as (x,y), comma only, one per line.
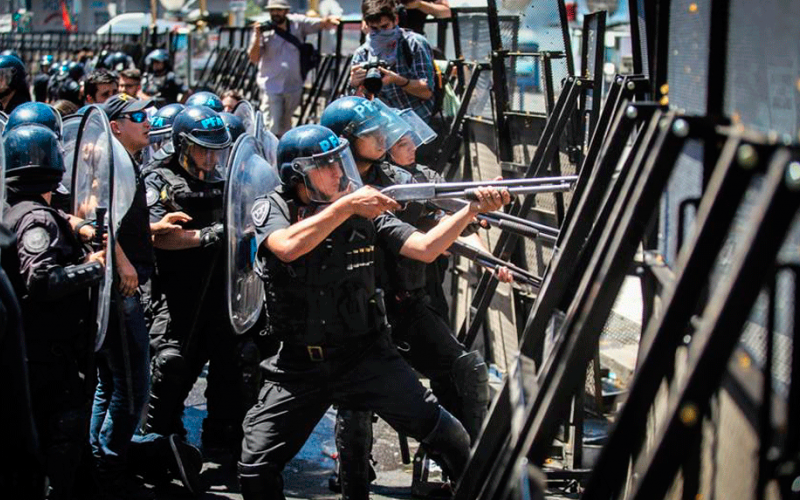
(373,82)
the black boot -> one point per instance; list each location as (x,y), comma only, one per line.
(448,444)
(260,482)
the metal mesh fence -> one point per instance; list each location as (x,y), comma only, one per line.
(763,65)
(688,54)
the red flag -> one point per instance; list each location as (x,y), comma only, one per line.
(65,18)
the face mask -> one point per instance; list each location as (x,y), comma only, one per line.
(384,44)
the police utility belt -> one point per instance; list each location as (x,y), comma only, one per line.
(320,353)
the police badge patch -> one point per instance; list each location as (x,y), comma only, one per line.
(36,240)
(260,211)
(152,196)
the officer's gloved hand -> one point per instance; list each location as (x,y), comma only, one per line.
(211,235)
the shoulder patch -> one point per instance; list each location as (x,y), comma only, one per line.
(260,211)
(36,240)
(152,195)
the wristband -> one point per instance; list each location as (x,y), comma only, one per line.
(408,80)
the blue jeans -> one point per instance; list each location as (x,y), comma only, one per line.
(118,404)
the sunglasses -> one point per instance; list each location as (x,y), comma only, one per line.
(136,116)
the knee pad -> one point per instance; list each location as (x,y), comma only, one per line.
(169,362)
(471,379)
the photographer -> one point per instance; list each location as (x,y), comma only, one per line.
(394,64)
(278,59)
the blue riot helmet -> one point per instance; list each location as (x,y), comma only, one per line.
(12,74)
(234,123)
(207,99)
(45,62)
(9,52)
(317,157)
(76,71)
(200,137)
(370,126)
(34,160)
(161,130)
(158,55)
(118,61)
(30,113)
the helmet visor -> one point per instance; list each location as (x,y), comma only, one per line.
(203,163)
(391,124)
(421,132)
(6,77)
(329,176)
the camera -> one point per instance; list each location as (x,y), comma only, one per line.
(373,82)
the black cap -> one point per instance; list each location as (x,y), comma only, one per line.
(120,104)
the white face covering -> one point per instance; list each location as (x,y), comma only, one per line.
(383,43)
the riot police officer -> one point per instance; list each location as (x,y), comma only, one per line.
(459,379)
(316,245)
(191,275)
(159,81)
(13,87)
(207,99)
(29,113)
(50,271)
(234,123)
(161,132)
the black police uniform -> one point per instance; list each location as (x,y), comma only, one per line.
(336,348)
(58,343)
(22,443)
(184,276)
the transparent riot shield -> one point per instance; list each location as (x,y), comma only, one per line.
(69,134)
(267,142)
(244,110)
(92,191)
(249,176)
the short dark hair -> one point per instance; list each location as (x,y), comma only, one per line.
(231,93)
(131,74)
(374,10)
(65,107)
(98,77)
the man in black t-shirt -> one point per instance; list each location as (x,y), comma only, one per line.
(123,361)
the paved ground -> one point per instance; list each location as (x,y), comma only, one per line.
(307,475)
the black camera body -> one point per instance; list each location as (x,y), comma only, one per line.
(373,81)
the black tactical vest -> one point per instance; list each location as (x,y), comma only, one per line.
(323,298)
(182,273)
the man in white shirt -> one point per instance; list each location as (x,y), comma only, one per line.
(278,59)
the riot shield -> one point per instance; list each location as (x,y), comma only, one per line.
(249,176)
(92,199)
(69,134)
(244,110)
(267,142)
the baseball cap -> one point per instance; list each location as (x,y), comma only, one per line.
(119,104)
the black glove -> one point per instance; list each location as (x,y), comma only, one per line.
(211,235)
